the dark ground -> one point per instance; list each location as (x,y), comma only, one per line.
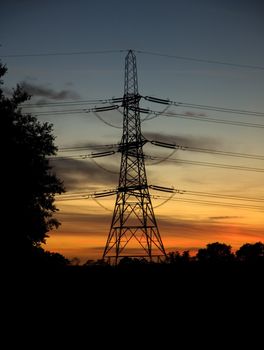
(138,306)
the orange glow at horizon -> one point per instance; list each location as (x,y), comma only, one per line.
(183,225)
(84,228)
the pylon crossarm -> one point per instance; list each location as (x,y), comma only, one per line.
(162,188)
(157,100)
(102,109)
(165,144)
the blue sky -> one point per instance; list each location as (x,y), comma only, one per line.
(229,31)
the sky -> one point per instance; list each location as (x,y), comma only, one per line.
(227,31)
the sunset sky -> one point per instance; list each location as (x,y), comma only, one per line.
(46,46)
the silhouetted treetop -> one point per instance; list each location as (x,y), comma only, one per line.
(177,258)
(215,252)
(28,178)
(251,252)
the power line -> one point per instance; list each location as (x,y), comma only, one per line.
(158,114)
(202,60)
(60,112)
(150,99)
(208,119)
(85,156)
(209,164)
(198,201)
(165,201)
(180,161)
(82,110)
(96,52)
(66,103)
(101,205)
(222,196)
(86,147)
(181,192)
(163,158)
(204,107)
(212,195)
(175,146)
(201,202)
(232,154)
(106,122)
(69,53)
(224,153)
(179,199)
(95,110)
(205,150)
(103,168)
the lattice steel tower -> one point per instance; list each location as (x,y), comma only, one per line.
(133,217)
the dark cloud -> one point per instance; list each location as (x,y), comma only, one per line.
(85,224)
(206,230)
(81,174)
(187,141)
(224,217)
(183,228)
(192,114)
(46,92)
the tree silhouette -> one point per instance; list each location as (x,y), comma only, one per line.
(177,258)
(132,261)
(251,252)
(215,253)
(30,185)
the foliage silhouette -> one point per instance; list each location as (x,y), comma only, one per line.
(215,253)
(251,252)
(177,258)
(46,259)
(28,178)
(98,262)
(130,261)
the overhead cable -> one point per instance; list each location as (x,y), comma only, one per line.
(201,60)
(96,52)
(205,107)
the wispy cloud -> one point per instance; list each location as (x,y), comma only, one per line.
(80,174)
(224,217)
(206,230)
(192,114)
(83,224)
(47,92)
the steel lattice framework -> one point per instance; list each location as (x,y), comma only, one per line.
(133,217)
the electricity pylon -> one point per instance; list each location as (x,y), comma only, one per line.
(133,217)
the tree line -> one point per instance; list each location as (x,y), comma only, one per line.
(213,254)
